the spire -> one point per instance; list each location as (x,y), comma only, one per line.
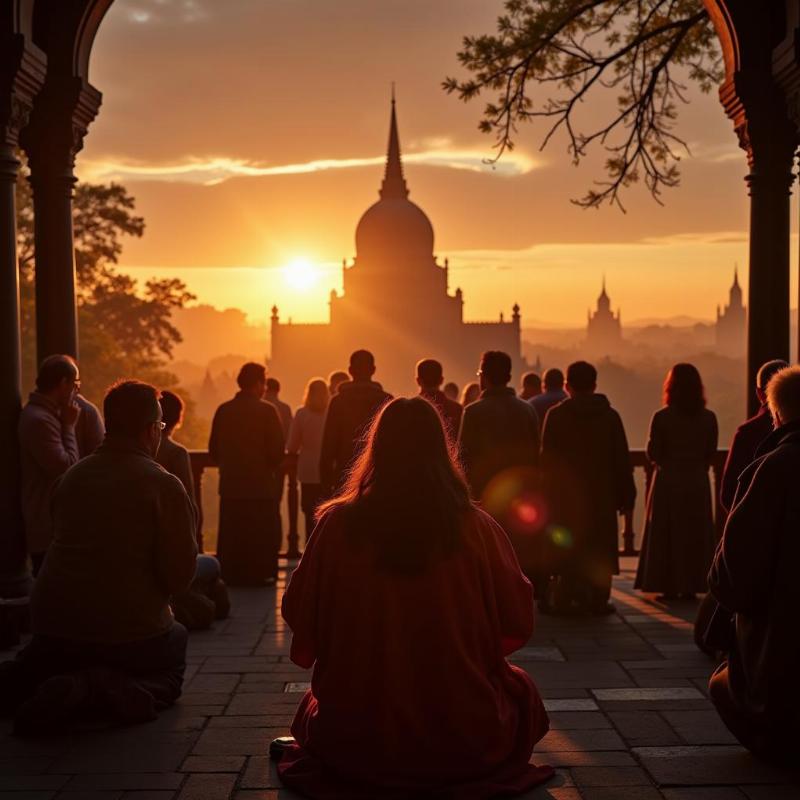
(736,275)
(394,184)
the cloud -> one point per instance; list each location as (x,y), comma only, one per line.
(213,170)
(149,12)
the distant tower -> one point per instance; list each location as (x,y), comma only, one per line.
(731,328)
(603,328)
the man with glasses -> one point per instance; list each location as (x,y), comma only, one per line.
(48,446)
(104,637)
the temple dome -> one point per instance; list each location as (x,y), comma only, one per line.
(394,228)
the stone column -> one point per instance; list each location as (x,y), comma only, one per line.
(60,118)
(21,75)
(769,137)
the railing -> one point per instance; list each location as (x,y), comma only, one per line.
(201,461)
(639,460)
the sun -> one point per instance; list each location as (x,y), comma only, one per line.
(300,273)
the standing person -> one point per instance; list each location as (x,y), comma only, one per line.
(123,543)
(247,444)
(754,578)
(305,442)
(350,413)
(678,539)
(450,390)
(472,391)
(430,377)
(48,447)
(588,482)
(89,429)
(499,445)
(749,436)
(531,386)
(553,394)
(175,459)
(272,396)
(335,379)
(403,551)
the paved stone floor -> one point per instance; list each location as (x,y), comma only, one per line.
(626,694)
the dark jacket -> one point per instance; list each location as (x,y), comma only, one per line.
(284,414)
(449,410)
(749,435)
(754,576)
(498,432)
(588,478)
(542,403)
(349,414)
(123,542)
(247,444)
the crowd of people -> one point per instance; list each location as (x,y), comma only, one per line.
(438,519)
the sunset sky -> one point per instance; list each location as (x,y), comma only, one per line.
(252,134)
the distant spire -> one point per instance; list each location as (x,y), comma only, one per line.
(394,184)
(603,293)
(736,274)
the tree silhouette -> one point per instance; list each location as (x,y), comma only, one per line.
(567,53)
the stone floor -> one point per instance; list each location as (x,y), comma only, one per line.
(626,694)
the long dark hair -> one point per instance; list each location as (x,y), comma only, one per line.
(405,494)
(683,389)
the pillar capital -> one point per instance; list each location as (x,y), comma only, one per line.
(59,121)
(21,78)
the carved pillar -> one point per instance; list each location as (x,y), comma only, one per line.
(21,75)
(770,141)
(60,119)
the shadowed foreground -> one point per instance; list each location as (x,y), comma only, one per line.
(626,696)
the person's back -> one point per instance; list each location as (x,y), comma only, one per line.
(402,551)
(430,377)
(247,444)
(552,395)
(350,412)
(499,431)
(754,577)
(123,543)
(175,459)
(588,480)
(748,436)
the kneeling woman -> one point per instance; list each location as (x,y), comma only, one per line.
(406,602)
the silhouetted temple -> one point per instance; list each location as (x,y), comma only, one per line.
(395,302)
(603,327)
(731,329)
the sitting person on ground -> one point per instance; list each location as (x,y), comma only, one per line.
(450,390)
(406,602)
(472,391)
(588,480)
(679,539)
(499,446)
(123,544)
(207,597)
(430,377)
(335,380)
(48,447)
(247,445)
(552,395)
(305,443)
(754,578)
(531,386)
(749,436)
(350,412)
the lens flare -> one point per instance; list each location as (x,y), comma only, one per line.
(560,536)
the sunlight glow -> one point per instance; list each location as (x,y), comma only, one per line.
(300,274)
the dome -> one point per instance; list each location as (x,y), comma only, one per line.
(394,226)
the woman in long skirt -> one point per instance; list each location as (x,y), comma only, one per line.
(679,532)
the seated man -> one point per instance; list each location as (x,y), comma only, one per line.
(754,577)
(123,543)
(207,597)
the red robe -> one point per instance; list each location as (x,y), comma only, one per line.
(411,694)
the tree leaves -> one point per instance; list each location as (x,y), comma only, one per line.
(569,53)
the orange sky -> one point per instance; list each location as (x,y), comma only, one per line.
(251,133)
